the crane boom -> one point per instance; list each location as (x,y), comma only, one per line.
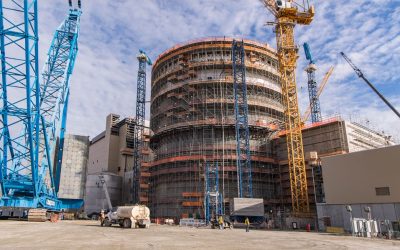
(320,89)
(307,51)
(105,189)
(361,75)
(34,117)
(288,14)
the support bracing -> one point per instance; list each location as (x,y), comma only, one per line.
(33,113)
(139,119)
(243,160)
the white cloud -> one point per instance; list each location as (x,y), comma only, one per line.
(112,32)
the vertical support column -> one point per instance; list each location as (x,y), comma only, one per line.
(313,96)
(139,126)
(243,160)
(287,53)
(20,111)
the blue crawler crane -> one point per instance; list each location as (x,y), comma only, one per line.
(33,109)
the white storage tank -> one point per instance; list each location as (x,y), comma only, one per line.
(136,212)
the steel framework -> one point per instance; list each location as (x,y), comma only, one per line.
(33,114)
(288,14)
(139,127)
(213,198)
(312,87)
(243,159)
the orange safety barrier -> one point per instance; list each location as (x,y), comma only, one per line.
(192,203)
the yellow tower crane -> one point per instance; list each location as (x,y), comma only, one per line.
(288,14)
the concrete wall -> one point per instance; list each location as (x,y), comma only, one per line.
(337,215)
(352,178)
(74,167)
(95,198)
(98,158)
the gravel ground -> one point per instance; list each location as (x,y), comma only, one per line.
(89,235)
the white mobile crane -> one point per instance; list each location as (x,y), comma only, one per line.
(125,216)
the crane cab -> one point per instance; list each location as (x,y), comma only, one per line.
(282,4)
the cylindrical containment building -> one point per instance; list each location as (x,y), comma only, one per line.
(193,120)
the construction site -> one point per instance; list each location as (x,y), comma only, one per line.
(221,142)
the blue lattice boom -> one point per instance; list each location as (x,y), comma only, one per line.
(33,108)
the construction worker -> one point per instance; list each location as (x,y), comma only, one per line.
(221,222)
(247,223)
(102,217)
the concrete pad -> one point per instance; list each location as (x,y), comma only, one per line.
(89,235)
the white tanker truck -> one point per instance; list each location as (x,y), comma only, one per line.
(129,217)
(125,216)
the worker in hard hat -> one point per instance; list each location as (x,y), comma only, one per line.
(221,222)
(247,223)
(102,217)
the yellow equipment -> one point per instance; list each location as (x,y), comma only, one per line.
(321,87)
(288,14)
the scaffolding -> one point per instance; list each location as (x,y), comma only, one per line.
(193,120)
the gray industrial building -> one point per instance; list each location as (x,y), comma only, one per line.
(362,179)
(111,154)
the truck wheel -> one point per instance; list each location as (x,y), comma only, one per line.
(107,222)
(127,223)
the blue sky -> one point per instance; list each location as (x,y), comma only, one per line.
(112,32)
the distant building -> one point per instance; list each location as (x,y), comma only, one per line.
(330,137)
(362,179)
(74,166)
(112,151)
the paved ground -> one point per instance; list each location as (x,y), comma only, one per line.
(89,235)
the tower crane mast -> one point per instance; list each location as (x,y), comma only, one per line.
(312,86)
(33,116)
(139,119)
(288,14)
(319,91)
(243,160)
